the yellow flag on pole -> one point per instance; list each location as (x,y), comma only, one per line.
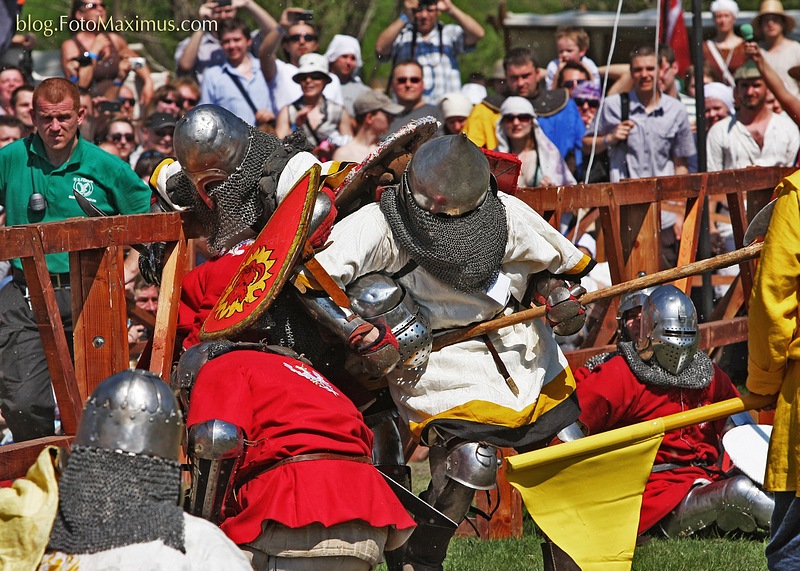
(586,495)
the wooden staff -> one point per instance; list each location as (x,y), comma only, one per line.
(672,274)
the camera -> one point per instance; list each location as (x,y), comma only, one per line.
(110,106)
(304,16)
(223,3)
(83,59)
(136,62)
(426,3)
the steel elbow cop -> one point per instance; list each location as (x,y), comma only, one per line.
(379,299)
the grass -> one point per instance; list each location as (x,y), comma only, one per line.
(707,551)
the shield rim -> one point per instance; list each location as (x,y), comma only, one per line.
(423,128)
(296,247)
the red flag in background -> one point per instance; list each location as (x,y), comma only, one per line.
(673,32)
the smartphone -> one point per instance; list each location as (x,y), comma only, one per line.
(110,106)
(136,62)
(304,16)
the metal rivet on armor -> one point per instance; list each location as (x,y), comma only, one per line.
(98,342)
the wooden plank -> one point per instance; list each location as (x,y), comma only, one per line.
(100,338)
(91,233)
(644,190)
(168,305)
(639,231)
(15,459)
(51,331)
(690,233)
(712,334)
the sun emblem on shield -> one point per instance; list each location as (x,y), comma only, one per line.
(253,276)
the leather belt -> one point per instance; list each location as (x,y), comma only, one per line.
(60,281)
(245,475)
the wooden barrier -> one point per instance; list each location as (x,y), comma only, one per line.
(98,306)
(627,213)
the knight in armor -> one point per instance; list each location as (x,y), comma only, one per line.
(120,493)
(232,177)
(272,442)
(465,253)
(660,372)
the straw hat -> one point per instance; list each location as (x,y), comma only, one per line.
(774,7)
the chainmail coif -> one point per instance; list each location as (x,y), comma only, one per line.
(698,375)
(465,251)
(109,499)
(237,205)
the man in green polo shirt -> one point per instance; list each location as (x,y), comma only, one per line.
(37,177)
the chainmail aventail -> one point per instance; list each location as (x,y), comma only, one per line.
(698,375)
(109,499)
(465,252)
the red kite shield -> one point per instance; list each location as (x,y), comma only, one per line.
(268,263)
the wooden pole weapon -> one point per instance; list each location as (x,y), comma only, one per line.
(722,261)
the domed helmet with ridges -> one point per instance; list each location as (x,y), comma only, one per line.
(449,175)
(135,412)
(628,302)
(669,329)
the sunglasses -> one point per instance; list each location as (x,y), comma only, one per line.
(314,76)
(521,118)
(404,80)
(117,137)
(146,299)
(165,132)
(90,5)
(593,103)
(170,101)
(127,101)
(152,155)
(572,82)
(191,102)
(304,37)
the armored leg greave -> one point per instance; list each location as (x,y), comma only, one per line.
(733,503)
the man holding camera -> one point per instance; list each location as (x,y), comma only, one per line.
(298,36)
(419,35)
(203,49)
(38,175)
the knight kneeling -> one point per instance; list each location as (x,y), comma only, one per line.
(661,372)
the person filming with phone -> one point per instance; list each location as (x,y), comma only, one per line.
(203,49)
(100,60)
(417,34)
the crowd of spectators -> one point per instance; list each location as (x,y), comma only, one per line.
(557,117)
(553,115)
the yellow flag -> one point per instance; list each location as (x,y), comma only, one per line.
(586,495)
(589,504)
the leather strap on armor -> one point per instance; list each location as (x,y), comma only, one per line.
(252,471)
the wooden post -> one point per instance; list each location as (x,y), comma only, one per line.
(506,503)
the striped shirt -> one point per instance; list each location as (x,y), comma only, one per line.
(436,53)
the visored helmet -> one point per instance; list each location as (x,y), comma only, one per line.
(449,175)
(210,144)
(627,302)
(669,329)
